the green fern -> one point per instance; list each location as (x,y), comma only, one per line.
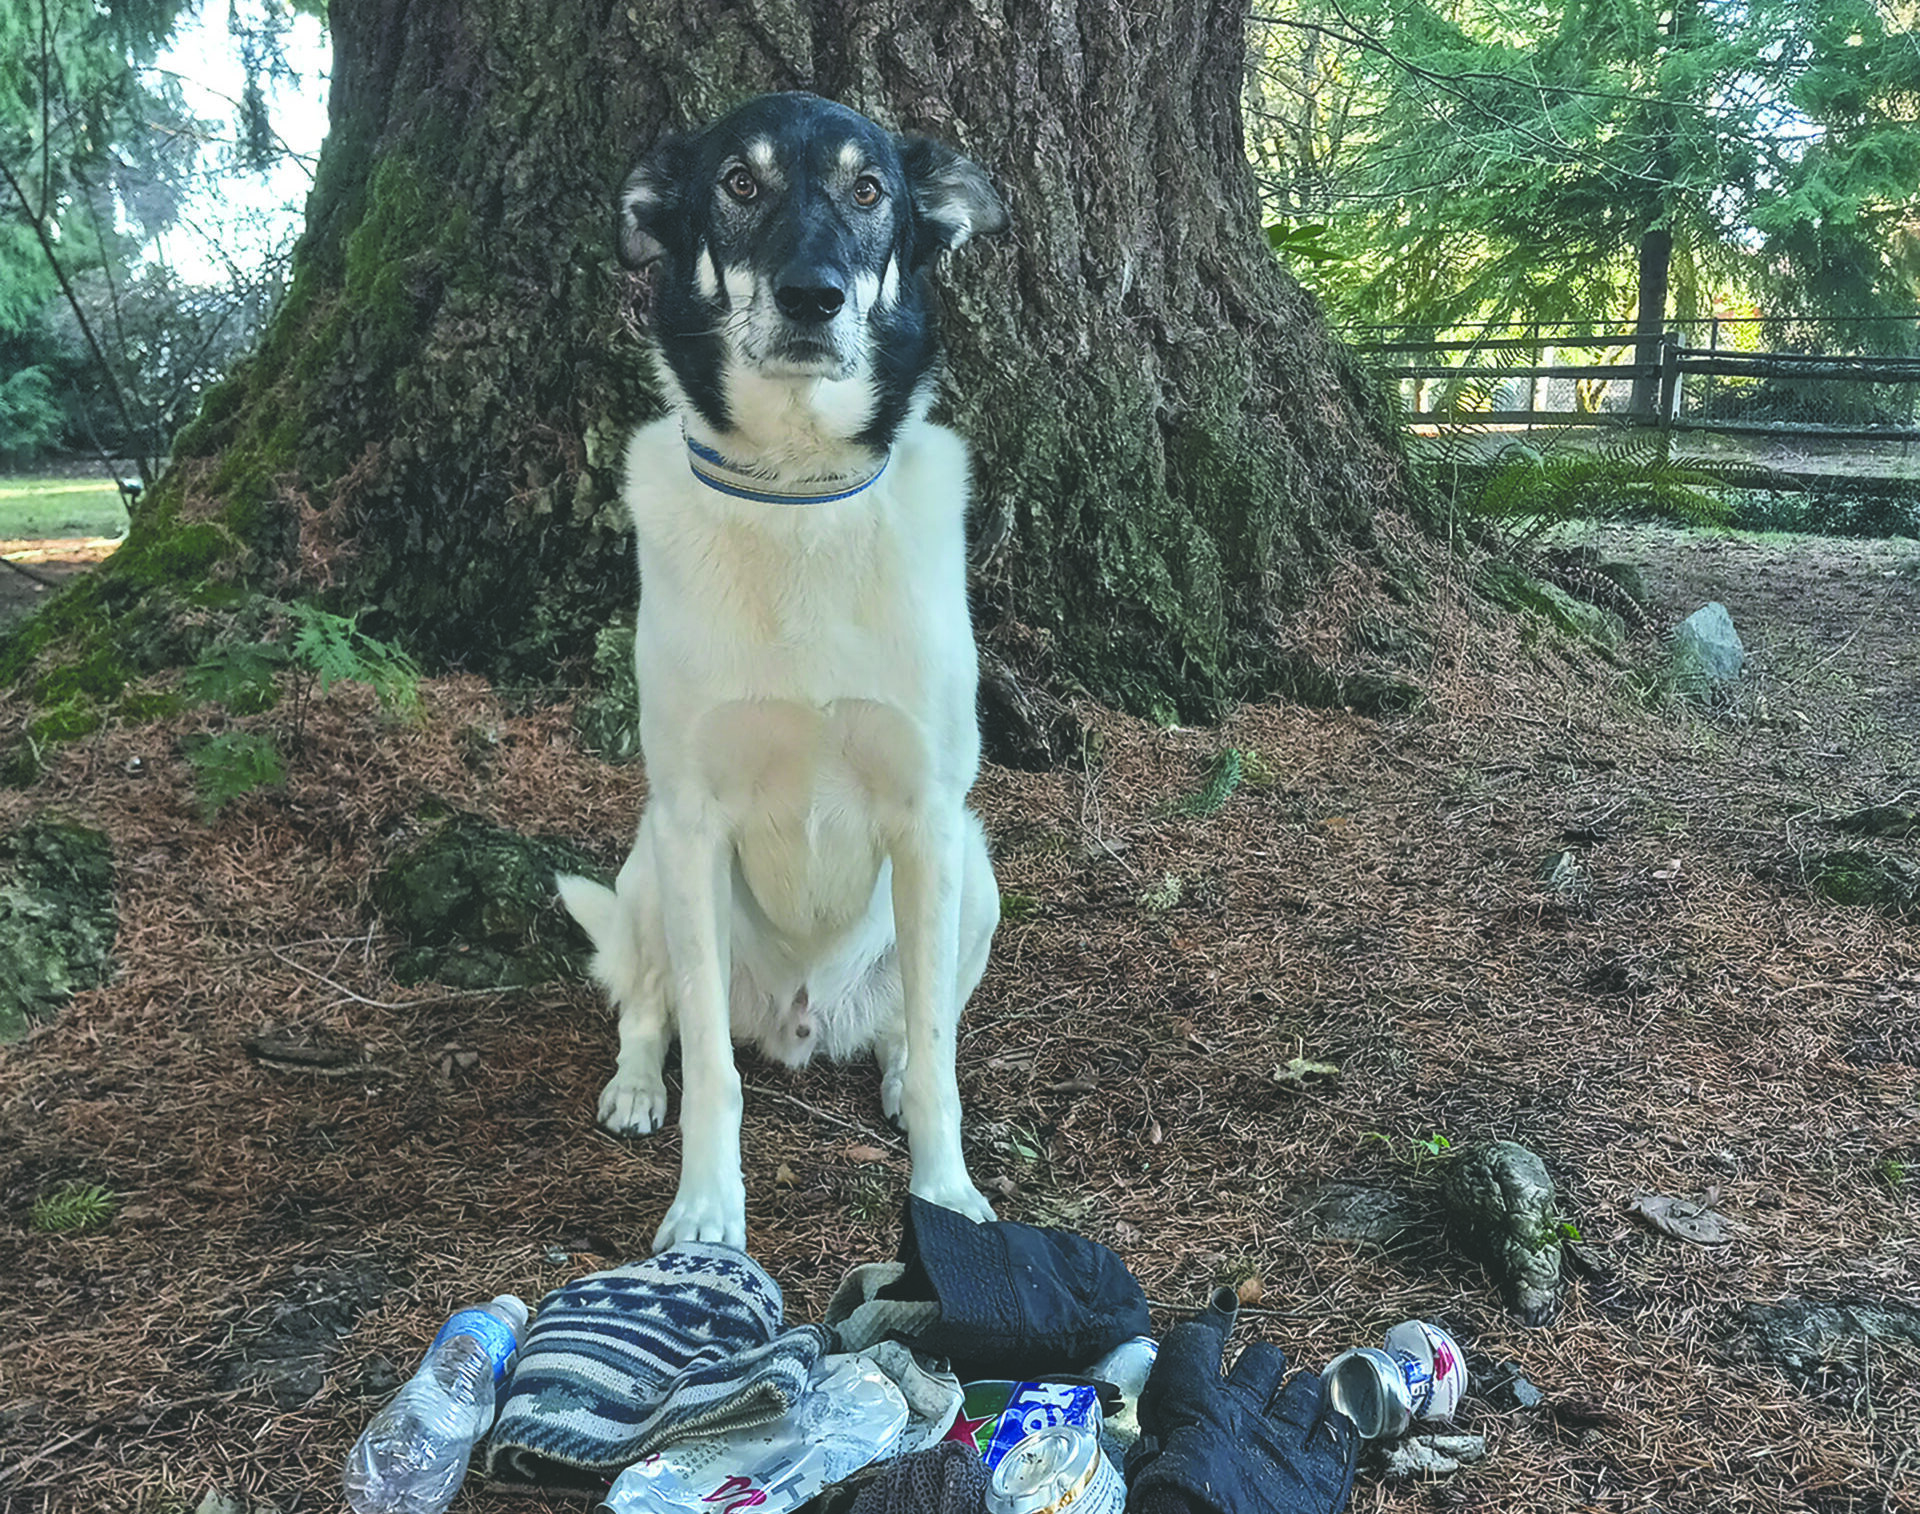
(234,764)
(1222,780)
(239,675)
(73,1206)
(336,650)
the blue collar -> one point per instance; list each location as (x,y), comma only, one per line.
(746,482)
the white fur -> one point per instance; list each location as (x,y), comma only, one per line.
(807,875)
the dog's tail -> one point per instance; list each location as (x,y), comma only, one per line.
(594,907)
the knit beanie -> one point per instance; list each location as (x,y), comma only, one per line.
(620,1363)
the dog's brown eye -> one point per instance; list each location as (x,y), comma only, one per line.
(866,191)
(740,184)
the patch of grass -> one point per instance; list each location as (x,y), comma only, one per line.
(40,507)
(73,1207)
(1016,906)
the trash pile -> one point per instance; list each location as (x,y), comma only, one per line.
(990,1369)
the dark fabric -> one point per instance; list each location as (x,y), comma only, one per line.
(948,1478)
(1244,1444)
(1014,1300)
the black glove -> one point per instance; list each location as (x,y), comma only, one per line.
(1239,1445)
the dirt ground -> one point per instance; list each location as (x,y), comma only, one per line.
(1676,1016)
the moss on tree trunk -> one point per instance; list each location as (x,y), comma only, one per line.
(1167,439)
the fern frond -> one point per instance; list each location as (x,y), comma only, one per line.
(233,764)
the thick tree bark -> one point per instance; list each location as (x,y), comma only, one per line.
(1167,439)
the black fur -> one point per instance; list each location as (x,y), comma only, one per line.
(806,239)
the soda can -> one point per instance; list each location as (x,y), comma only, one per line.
(996,1416)
(1054,1471)
(1420,1375)
(1435,1366)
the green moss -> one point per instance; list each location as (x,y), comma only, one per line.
(67,721)
(97,675)
(140,708)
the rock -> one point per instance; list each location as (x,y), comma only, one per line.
(1507,1387)
(1427,1455)
(1855,876)
(476,905)
(1805,1338)
(56,919)
(1893,821)
(606,717)
(1356,1212)
(1705,654)
(1501,1210)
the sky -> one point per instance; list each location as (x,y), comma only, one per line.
(242,216)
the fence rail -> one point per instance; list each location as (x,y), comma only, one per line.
(1730,385)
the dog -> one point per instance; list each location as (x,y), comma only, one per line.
(807,875)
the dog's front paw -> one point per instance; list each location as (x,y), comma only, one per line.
(633,1105)
(705,1212)
(958,1195)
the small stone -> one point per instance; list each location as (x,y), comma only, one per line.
(1357,1212)
(1705,655)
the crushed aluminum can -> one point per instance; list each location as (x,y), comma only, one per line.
(1437,1362)
(1055,1470)
(1367,1385)
(1126,1366)
(997,1415)
(1420,1375)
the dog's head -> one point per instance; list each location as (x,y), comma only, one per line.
(794,239)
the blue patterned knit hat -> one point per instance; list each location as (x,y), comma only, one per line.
(620,1363)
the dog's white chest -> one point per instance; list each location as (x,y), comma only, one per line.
(808,670)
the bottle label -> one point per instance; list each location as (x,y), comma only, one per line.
(493,1334)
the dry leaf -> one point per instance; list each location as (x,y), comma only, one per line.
(783,1176)
(1683,1219)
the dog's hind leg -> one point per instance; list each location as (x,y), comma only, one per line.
(629,959)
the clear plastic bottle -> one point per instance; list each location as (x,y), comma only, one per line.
(412,1457)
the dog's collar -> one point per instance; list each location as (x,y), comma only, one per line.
(740,482)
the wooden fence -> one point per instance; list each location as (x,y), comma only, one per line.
(1473,380)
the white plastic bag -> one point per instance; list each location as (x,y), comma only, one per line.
(850,1415)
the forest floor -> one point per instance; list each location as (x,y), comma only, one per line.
(1676,1016)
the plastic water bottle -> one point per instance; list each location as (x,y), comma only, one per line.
(412,1457)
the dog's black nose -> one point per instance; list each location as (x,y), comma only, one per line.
(812,301)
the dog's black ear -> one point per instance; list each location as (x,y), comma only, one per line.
(648,216)
(952,197)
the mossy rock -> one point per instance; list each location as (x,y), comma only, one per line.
(1502,1212)
(1515,589)
(606,716)
(476,906)
(1858,876)
(57,920)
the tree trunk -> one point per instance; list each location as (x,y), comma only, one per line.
(1167,439)
(1650,324)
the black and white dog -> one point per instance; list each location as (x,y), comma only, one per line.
(807,875)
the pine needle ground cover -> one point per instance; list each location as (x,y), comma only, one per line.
(1550,906)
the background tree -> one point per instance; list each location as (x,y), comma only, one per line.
(104,342)
(1487,159)
(1168,440)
